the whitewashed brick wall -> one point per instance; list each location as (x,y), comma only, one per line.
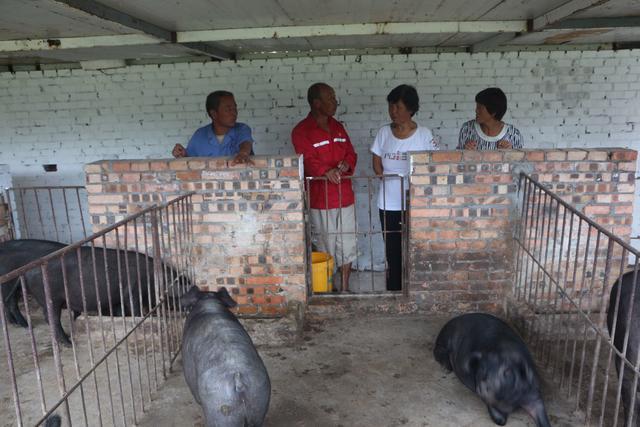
(556,99)
(5,177)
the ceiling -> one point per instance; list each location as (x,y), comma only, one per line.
(41,34)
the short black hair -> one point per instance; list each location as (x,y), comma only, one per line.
(213,99)
(494,100)
(313,92)
(408,95)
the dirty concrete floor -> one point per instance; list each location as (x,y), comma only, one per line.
(367,371)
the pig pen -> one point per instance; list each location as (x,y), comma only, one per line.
(353,371)
(357,361)
(362,370)
(356,365)
(127,335)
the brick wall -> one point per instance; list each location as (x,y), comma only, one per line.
(557,99)
(463,215)
(248,225)
(249,230)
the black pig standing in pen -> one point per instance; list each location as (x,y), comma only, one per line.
(221,366)
(14,254)
(116,291)
(626,306)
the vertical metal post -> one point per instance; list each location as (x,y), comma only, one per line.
(66,211)
(54,337)
(84,227)
(158,278)
(53,215)
(12,371)
(24,217)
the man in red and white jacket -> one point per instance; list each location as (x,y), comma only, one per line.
(328,153)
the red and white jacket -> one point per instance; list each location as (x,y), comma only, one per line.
(322,151)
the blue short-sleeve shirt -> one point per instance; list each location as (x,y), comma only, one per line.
(204,143)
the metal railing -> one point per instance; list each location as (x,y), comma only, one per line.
(129,332)
(566,267)
(370,231)
(57,213)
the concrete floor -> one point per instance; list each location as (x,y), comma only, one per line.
(367,371)
(127,375)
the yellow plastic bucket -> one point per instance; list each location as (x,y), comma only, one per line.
(321,272)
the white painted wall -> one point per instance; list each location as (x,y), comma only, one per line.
(556,99)
(5,177)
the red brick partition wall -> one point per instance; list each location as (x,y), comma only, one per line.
(463,212)
(248,223)
(249,227)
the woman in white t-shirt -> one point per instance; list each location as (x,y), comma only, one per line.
(390,157)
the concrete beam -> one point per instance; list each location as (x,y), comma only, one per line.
(562,12)
(208,50)
(555,18)
(101,11)
(352,30)
(76,42)
(492,42)
(589,23)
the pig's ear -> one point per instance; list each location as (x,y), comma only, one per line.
(471,366)
(189,299)
(225,297)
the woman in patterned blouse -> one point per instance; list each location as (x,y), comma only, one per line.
(488,131)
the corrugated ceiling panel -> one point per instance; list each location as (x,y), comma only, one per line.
(43,19)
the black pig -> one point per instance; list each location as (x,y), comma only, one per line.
(626,304)
(113,280)
(221,366)
(14,254)
(491,360)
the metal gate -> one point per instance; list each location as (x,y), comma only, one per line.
(565,269)
(57,213)
(371,234)
(121,348)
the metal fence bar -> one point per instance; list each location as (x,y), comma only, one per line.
(12,222)
(142,302)
(567,265)
(12,371)
(370,234)
(65,275)
(53,215)
(73,342)
(24,215)
(32,219)
(361,232)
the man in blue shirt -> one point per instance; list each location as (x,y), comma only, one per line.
(224,136)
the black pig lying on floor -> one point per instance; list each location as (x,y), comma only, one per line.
(491,360)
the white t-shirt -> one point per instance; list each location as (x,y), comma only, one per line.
(395,160)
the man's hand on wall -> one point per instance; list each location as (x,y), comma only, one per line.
(242,158)
(179,151)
